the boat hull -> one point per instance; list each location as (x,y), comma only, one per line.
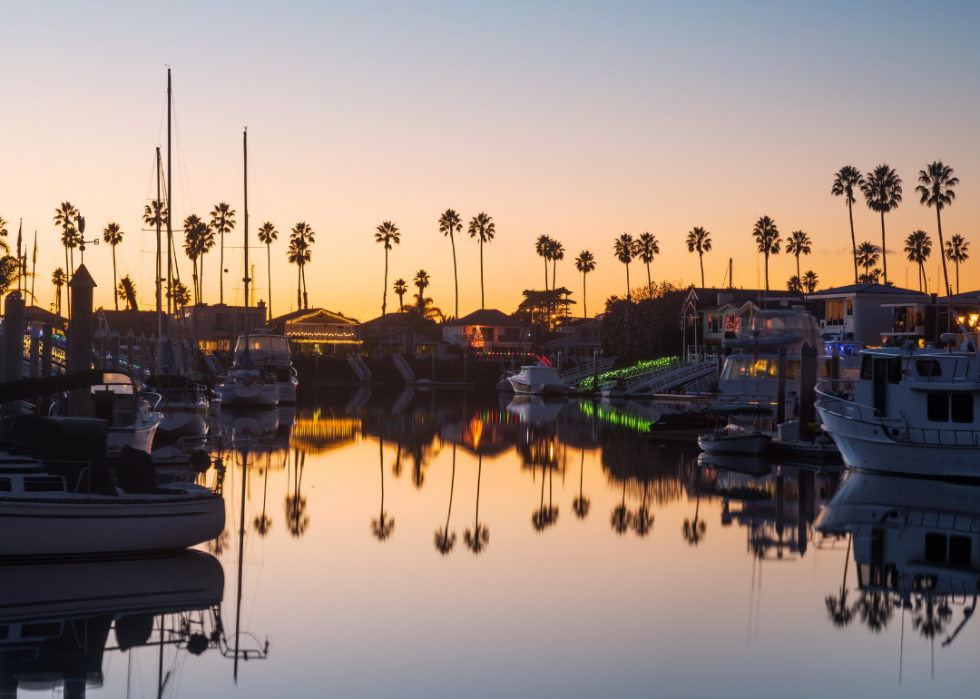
(735,444)
(538,389)
(138,437)
(184,420)
(255,396)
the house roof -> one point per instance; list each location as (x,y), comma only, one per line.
(877,289)
(42,315)
(310,314)
(396,322)
(740,296)
(489,317)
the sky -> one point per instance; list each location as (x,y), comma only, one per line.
(581,121)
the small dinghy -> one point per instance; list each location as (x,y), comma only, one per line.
(748,431)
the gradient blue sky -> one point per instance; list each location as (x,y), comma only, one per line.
(576,120)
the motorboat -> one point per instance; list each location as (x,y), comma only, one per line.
(685,426)
(749,430)
(247,387)
(184,404)
(911,410)
(270,352)
(503,383)
(538,379)
(62,495)
(536,409)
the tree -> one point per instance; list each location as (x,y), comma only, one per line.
(798,243)
(303,232)
(936,190)
(957,251)
(113,235)
(918,246)
(794,284)
(624,248)
(846,179)
(126,291)
(646,247)
(483,229)
(698,240)
(543,247)
(263,523)
(867,255)
(298,254)
(870,277)
(59,279)
(400,288)
(206,242)
(387,235)
(222,221)
(66,216)
(557,254)
(179,294)
(153,214)
(450,224)
(767,236)
(837,607)
(267,234)
(479,538)
(3,234)
(883,191)
(444,539)
(810,281)
(584,263)
(193,233)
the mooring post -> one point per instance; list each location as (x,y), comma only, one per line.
(835,368)
(432,377)
(13,345)
(803,489)
(47,353)
(808,382)
(781,386)
(80,338)
(114,348)
(35,331)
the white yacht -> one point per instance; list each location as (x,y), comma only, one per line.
(539,379)
(246,387)
(909,411)
(184,405)
(270,352)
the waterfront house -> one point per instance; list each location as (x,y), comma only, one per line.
(578,342)
(216,327)
(721,313)
(318,331)
(489,330)
(870,313)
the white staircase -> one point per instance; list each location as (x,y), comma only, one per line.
(360,368)
(573,377)
(213,366)
(403,368)
(671,376)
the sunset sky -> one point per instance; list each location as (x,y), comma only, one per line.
(577,120)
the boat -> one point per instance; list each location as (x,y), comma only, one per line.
(184,404)
(62,495)
(270,352)
(686,426)
(911,410)
(503,383)
(538,379)
(749,430)
(613,389)
(243,387)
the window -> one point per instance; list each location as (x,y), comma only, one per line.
(866,367)
(894,370)
(43,484)
(850,307)
(928,367)
(962,407)
(959,551)
(935,547)
(4,485)
(220,320)
(835,313)
(937,407)
(714,323)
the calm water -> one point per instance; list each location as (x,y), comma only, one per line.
(445,544)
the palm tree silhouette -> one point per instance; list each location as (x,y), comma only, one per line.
(957,250)
(3,234)
(263,523)
(113,235)
(883,191)
(580,505)
(810,281)
(179,294)
(543,247)
(387,235)
(621,517)
(297,521)
(936,189)
(584,263)
(298,253)
(694,530)
(66,216)
(445,540)
(838,609)
(794,284)
(546,515)
(267,234)
(698,240)
(867,256)
(400,288)
(382,527)
(925,619)
(642,520)
(450,224)
(846,179)
(875,609)
(767,236)
(421,281)
(798,243)
(624,248)
(646,247)
(222,221)
(194,229)
(126,290)
(303,232)
(59,279)
(483,229)
(478,539)
(557,254)
(919,246)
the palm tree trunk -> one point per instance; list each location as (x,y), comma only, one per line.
(627,281)
(68,277)
(221,269)
(384,298)
(922,279)
(306,298)
(114,278)
(798,269)
(585,305)
(939,223)
(479,472)
(554,272)
(854,246)
(483,303)
(884,262)
(299,287)
(701,259)
(767,274)
(455,273)
(957,261)
(268,249)
(545,273)
(650,283)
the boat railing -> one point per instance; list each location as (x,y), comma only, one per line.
(836,397)
(84,472)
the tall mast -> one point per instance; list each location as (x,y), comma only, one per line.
(245,230)
(170,305)
(159,278)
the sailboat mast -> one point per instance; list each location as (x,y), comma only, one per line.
(159,274)
(245,227)
(170,305)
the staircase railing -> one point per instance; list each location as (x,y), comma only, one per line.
(360,368)
(403,368)
(577,374)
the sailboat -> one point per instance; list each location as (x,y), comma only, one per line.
(247,385)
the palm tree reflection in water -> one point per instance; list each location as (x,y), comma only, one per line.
(581,504)
(445,540)
(479,538)
(621,517)
(382,527)
(263,523)
(546,515)
(875,609)
(837,607)
(296,518)
(694,531)
(642,520)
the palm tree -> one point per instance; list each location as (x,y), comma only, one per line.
(59,279)
(267,234)
(883,191)
(483,229)
(957,251)
(546,515)
(794,284)
(387,235)
(936,189)
(66,216)
(205,244)
(543,247)
(698,240)
(867,256)
(450,224)
(421,281)
(222,221)
(810,281)
(400,288)
(693,531)
(3,234)
(193,230)
(179,294)
(153,214)
(303,232)
(919,246)
(126,290)
(478,539)
(621,516)
(113,235)
(767,236)
(557,254)
(846,179)
(382,527)
(584,263)
(646,247)
(445,540)
(298,254)
(798,243)
(624,248)
(580,505)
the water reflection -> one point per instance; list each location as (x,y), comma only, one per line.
(478,538)
(445,539)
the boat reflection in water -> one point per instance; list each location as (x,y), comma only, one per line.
(916,545)
(55,619)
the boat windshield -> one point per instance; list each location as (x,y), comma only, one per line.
(776,324)
(266,343)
